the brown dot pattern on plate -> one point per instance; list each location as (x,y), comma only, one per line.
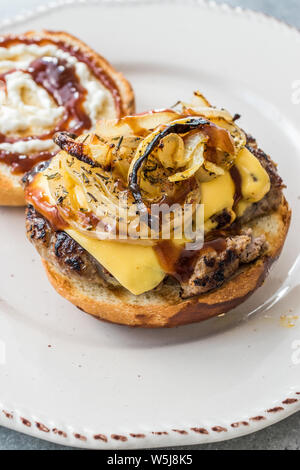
(275,410)
(200,430)
(258,418)
(290,401)
(80,437)
(219,429)
(26,422)
(100,437)
(119,437)
(241,423)
(180,431)
(59,432)
(42,427)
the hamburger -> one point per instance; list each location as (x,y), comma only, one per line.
(91,216)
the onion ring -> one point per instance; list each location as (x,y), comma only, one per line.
(217,135)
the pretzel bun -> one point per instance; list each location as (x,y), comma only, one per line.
(117,101)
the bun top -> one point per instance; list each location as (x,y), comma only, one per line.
(49,83)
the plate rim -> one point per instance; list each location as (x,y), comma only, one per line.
(41,10)
(65,434)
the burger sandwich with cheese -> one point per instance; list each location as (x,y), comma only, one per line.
(96,214)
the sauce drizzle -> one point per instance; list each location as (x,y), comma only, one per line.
(61,82)
(20,163)
(41,203)
(179,262)
(236,177)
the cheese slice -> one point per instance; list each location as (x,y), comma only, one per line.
(255,180)
(136,267)
(217,195)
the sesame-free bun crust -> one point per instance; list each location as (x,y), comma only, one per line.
(164,307)
(11,192)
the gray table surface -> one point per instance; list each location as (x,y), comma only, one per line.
(284,435)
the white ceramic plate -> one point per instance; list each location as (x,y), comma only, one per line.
(106,386)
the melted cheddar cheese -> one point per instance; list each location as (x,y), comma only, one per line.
(254,178)
(217,195)
(136,267)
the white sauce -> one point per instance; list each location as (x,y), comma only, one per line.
(17,115)
(29,146)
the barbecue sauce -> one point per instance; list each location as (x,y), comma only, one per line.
(180,262)
(236,177)
(61,82)
(20,163)
(40,201)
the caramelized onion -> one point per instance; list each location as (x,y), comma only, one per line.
(160,157)
(77,149)
(217,137)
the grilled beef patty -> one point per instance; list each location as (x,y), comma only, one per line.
(64,252)
(212,268)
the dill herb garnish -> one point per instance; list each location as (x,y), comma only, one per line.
(61,199)
(176,104)
(99,138)
(120,142)
(85,178)
(92,197)
(86,137)
(106,178)
(54,175)
(86,170)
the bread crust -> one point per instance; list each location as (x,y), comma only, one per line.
(169,313)
(11,191)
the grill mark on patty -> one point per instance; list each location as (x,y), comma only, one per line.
(64,252)
(213,268)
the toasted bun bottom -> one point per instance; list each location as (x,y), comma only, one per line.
(11,191)
(164,307)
